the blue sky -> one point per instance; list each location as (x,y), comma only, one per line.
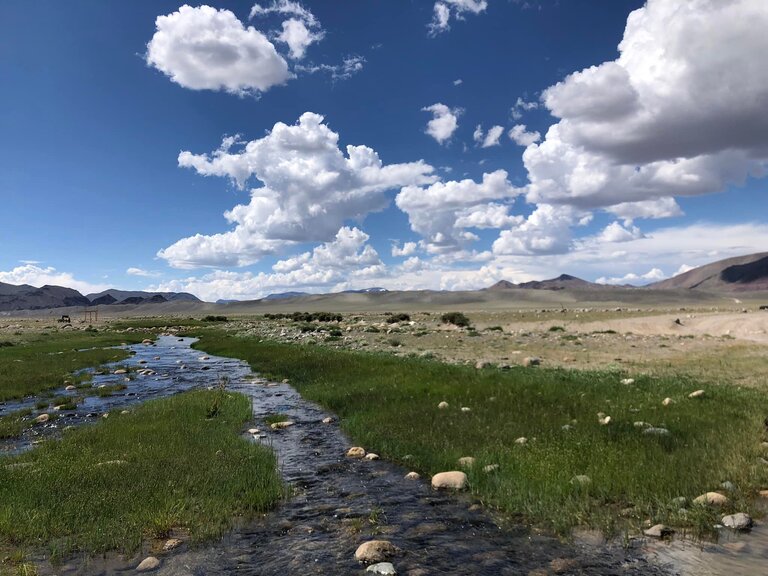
(154,145)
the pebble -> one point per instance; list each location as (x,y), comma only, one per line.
(521,441)
(371,456)
(356,452)
(466,461)
(205,357)
(412,476)
(658,531)
(738,521)
(253,430)
(281,425)
(43,418)
(327,420)
(375,551)
(443,405)
(655,431)
(120,371)
(667,401)
(604,420)
(711,498)
(171,543)
(490,468)
(628,381)
(531,361)
(149,563)
(696,394)
(453,480)
(382,568)
(70,388)
(466,409)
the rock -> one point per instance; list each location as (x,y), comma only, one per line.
(205,357)
(667,401)
(443,405)
(412,476)
(466,462)
(146,341)
(581,480)
(327,420)
(560,565)
(356,452)
(382,568)
(728,486)
(628,381)
(696,394)
(124,412)
(711,499)
(449,480)
(148,564)
(641,424)
(763,494)
(375,551)
(490,468)
(531,361)
(281,425)
(120,371)
(466,409)
(253,430)
(371,456)
(604,420)
(521,441)
(70,388)
(659,531)
(480,364)
(43,418)
(171,544)
(654,431)
(738,521)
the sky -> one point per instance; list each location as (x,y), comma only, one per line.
(237,149)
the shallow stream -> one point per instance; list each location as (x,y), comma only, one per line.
(339,503)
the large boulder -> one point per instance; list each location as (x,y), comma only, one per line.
(375,551)
(453,480)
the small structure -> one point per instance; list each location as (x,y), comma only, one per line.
(91,316)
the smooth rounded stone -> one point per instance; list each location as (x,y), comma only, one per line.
(148,564)
(728,486)
(120,371)
(531,361)
(627,381)
(659,531)
(443,405)
(480,364)
(371,456)
(763,494)
(328,420)
(412,476)
(466,461)
(253,430)
(490,468)
(604,420)
(43,418)
(641,424)
(654,431)
(581,480)
(124,412)
(205,357)
(171,544)
(70,388)
(281,425)
(156,358)
(147,341)
(466,409)
(382,568)
(696,394)
(711,499)
(375,551)
(667,401)
(453,480)
(356,452)
(738,521)
(521,441)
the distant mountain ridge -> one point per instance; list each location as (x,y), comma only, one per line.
(121,295)
(562,282)
(739,274)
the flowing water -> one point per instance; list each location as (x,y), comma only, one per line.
(337,503)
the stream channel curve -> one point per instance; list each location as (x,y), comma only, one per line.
(336,503)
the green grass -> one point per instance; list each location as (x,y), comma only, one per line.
(159,322)
(389,405)
(163,467)
(13,424)
(45,361)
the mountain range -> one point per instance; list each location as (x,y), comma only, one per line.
(732,275)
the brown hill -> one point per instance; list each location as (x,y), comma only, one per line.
(562,282)
(739,274)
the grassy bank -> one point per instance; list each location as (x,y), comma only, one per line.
(33,363)
(389,405)
(166,466)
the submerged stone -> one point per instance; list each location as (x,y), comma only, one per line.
(375,551)
(148,564)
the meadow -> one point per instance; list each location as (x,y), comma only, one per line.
(570,470)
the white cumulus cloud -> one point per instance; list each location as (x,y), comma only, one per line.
(680,112)
(653,275)
(310,187)
(519,135)
(207,49)
(407,249)
(488,139)
(444,121)
(299,31)
(133,271)
(444,10)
